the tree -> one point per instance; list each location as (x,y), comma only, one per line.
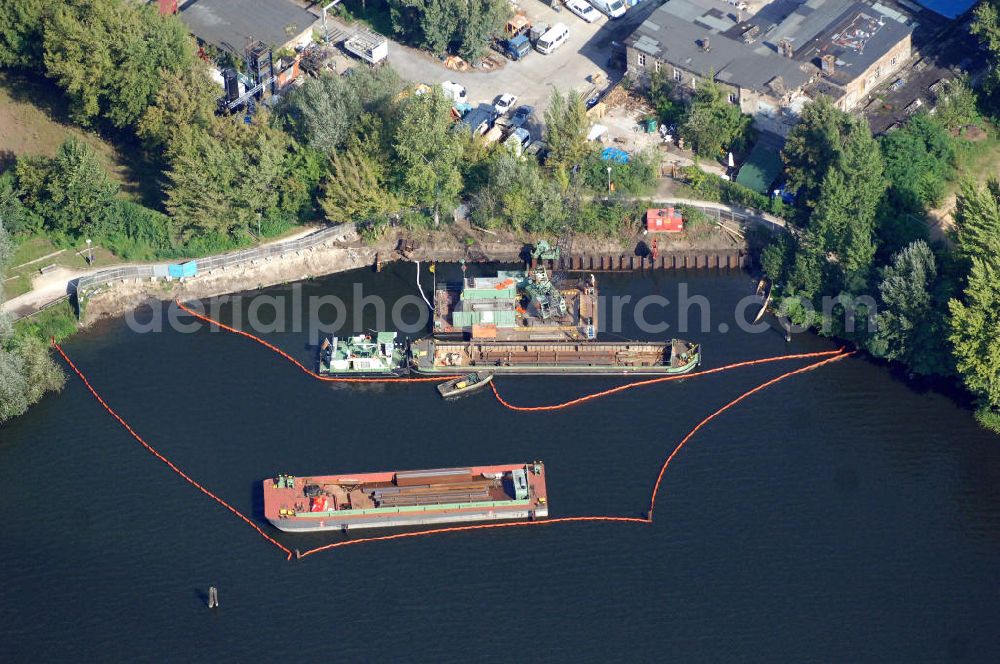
(6,250)
(483,19)
(977,218)
(975,332)
(566,126)
(986,26)
(13,387)
(187,98)
(224,181)
(813,146)
(111,56)
(78,192)
(712,124)
(957,105)
(909,326)
(463,27)
(321,112)
(975,317)
(919,160)
(356,189)
(21,31)
(13,214)
(519,197)
(375,89)
(428,149)
(661,95)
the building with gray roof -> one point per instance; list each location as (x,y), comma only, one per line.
(233,24)
(770,62)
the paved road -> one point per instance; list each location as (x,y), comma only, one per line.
(53,286)
(533,78)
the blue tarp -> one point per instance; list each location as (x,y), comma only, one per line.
(615,154)
(188,269)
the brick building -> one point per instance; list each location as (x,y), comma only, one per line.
(772,62)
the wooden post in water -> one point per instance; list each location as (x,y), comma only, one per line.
(213,597)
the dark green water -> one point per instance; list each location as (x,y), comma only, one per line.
(839,516)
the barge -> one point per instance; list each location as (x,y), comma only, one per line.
(542,358)
(362,356)
(518,304)
(406,498)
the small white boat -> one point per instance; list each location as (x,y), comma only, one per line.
(465,384)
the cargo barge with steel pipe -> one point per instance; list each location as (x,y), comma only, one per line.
(406,498)
(549,358)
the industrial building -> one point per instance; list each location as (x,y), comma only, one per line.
(772,62)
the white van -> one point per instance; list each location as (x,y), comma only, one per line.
(613,8)
(455,92)
(553,38)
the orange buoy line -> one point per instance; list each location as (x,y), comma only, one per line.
(748,393)
(654,381)
(482,526)
(329,379)
(162,458)
(839,355)
(830,357)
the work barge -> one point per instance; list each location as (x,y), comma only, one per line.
(518,304)
(543,358)
(406,498)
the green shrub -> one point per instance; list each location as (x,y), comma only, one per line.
(989,418)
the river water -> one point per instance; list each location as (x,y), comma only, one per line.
(841,515)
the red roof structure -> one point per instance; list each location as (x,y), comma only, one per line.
(664,220)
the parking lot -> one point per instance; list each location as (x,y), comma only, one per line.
(534,77)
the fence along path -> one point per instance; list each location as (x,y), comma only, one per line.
(221,261)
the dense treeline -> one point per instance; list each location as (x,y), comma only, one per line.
(858,263)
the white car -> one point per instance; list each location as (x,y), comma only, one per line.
(583,9)
(504,103)
(613,8)
(455,91)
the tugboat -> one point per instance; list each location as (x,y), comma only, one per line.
(361,356)
(466,384)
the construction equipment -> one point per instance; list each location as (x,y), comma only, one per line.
(543,251)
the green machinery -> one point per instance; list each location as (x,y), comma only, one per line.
(544,251)
(545,295)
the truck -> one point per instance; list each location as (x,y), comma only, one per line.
(517,47)
(515,44)
(370,47)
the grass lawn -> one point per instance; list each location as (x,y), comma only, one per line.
(16,285)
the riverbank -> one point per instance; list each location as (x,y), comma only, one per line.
(347,251)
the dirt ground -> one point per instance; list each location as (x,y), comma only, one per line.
(33,122)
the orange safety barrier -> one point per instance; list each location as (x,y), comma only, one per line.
(654,381)
(831,356)
(482,526)
(162,458)
(762,386)
(329,379)
(839,355)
